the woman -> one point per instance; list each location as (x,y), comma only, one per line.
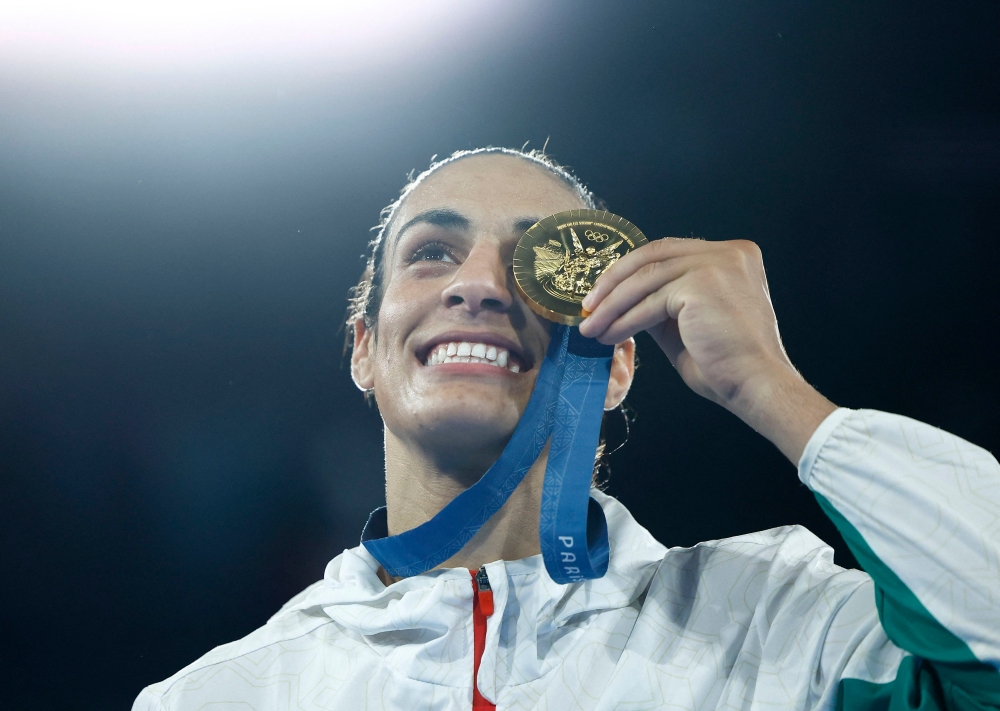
(759,620)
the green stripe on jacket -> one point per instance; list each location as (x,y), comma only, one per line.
(942,674)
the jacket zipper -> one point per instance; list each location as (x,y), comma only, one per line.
(482,607)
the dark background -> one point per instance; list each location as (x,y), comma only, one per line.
(181,449)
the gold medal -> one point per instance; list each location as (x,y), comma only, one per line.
(558,259)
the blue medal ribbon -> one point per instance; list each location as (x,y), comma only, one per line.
(571,526)
(566,404)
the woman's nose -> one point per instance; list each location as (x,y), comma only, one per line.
(481,283)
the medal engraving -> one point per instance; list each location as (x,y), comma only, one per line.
(558,259)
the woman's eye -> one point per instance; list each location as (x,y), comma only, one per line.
(433,252)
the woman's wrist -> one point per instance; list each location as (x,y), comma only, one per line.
(780,405)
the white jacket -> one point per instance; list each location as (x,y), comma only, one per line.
(761,621)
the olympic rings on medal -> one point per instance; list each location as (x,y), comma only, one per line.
(595,236)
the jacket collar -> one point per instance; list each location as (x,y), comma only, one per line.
(353,595)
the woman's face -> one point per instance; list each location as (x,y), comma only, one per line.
(449,289)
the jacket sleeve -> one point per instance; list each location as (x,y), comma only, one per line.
(920,509)
(147,701)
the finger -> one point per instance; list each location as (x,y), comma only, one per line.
(647,314)
(649,278)
(659,250)
(668,337)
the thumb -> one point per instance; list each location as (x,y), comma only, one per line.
(668,337)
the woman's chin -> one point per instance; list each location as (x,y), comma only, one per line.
(456,428)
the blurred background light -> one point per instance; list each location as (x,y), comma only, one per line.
(186,189)
(195,32)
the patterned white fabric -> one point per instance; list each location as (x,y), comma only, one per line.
(759,621)
(918,494)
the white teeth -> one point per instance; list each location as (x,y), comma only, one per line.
(468,352)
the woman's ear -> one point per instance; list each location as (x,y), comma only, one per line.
(622,371)
(362,371)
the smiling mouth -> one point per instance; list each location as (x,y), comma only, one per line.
(471,352)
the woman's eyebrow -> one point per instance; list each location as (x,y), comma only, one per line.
(441,216)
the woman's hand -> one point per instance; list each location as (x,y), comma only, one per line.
(708,307)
